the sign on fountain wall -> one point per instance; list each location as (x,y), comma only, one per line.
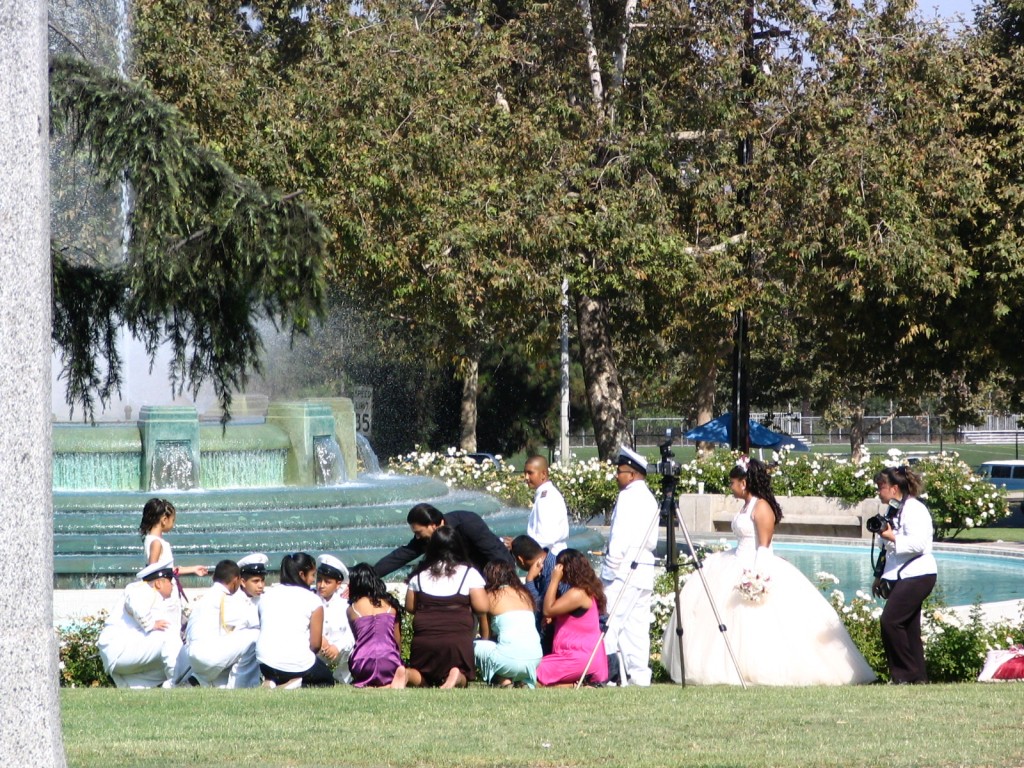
(362,403)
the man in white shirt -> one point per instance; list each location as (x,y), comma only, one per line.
(221,654)
(548,524)
(140,646)
(633,537)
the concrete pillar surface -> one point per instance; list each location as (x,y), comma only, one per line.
(30,731)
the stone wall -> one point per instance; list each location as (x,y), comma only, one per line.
(802,515)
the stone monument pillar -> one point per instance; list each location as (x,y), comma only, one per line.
(30,731)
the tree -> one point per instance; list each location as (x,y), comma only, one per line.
(869,185)
(209,253)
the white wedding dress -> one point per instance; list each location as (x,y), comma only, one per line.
(792,636)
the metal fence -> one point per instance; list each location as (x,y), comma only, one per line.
(650,431)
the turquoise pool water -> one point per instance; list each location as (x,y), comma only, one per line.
(964,578)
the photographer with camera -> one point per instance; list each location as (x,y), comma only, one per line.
(909,572)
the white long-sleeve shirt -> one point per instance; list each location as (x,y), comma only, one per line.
(914,533)
(633,536)
(548,524)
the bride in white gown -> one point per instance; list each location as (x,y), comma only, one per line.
(782,629)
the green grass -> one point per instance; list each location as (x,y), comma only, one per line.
(990,535)
(940,725)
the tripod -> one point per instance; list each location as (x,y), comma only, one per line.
(670,513)
(669,470)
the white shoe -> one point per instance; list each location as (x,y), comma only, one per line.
(292,684)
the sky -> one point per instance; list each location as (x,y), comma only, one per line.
(947,8)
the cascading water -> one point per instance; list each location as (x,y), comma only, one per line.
(174,466)
(328,463)
(367,457)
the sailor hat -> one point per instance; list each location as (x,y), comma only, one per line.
(254,564)
(154,571)
(331,567)
(631,458)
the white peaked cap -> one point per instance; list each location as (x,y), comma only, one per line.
(254,563)
(328,563)
(633,459)
(161,570)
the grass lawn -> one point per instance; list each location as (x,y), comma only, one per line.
(892,726)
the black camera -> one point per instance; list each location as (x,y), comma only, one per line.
(885,519)
(668,466)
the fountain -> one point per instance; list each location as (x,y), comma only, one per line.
(277,486)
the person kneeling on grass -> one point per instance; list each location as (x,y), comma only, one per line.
(512,655)
(376,620)
(139,647)
(220,654)
(444,593)
(578,640)
(291,628)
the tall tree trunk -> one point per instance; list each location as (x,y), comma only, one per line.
(467,411)
(707,382)
(858,430)
(601,376)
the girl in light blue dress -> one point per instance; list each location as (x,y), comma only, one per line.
(512,653)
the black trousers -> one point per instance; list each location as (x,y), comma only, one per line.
(317,676)
(901,629)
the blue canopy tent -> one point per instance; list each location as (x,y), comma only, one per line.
(720,431)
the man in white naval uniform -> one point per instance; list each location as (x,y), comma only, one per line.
(633,537)
(548,523)
(139,646)
(338,640)
(222,654)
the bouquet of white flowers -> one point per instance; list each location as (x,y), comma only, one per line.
(753,585)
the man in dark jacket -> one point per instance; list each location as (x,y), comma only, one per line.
(482,545)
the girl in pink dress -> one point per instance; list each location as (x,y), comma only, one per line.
(576,615)
(375,618)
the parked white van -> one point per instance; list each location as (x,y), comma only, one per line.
(1008,473)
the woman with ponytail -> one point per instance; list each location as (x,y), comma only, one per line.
(781,628)
(291,628)
(908,575)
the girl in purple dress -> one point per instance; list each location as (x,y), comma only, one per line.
(375,617)
(578,640)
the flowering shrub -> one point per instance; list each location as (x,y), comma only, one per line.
(954,651)
(80,664)
(955,496)
(588,486)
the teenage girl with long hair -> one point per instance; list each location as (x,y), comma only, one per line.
(781,628)
(576,613)
(376,620)
(291,628)
(512,652)
(444,593)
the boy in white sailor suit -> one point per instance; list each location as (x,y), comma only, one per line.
(338,640)
(244,606)
(221,654)
(139,647)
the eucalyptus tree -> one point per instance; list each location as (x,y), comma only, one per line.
(871,183)
(390,116)
(993,100)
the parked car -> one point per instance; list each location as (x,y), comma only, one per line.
(1007,473)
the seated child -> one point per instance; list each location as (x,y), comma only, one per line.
(221,654)
(140,646)
(337,640)
(375,618)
